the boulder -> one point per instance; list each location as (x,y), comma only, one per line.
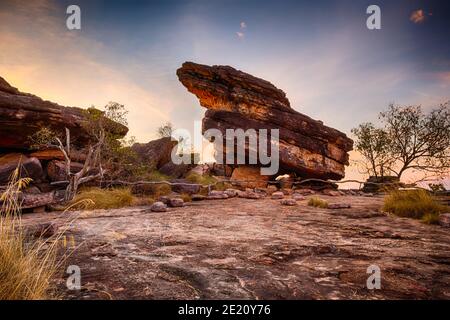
(176,202)
(184,186)
(217,195)
(158,207)
(175,170)
(30,167)
(23,114)
(277,195)
(56,170)
(156,153)
(235,99)
(248,177)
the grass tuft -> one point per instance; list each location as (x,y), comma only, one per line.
(417,204)
(197,178)
(102,199)
(317,202)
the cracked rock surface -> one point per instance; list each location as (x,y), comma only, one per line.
(254,249)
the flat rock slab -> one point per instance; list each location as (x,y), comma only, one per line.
(254,249)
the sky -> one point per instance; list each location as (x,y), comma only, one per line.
(331,66)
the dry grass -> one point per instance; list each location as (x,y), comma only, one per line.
(102,199)
(197,178)
(26,267)
(186,197)
(317,202)
(417,204)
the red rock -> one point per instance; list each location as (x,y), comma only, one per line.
(248,177)
(30,167)
(23,114)
(239,100)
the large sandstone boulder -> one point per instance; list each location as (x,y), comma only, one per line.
(29,167)
(235,99)
(22,114)
(156,153)
(249,177)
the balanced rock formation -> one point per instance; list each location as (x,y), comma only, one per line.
(237,100)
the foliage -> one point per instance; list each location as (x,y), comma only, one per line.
(165,130)
(436,187)
(408,140)
(373,143)
(417,204)
(317,202)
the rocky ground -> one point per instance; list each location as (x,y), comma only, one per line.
(253,249)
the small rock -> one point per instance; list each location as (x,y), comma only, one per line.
(444,219)
(217,195)
(298,197)
(198,197)
(288,202)
(248,195)
(277,195)
(176,202)
(339,205)
(231,193)
(164,199)
(271,189)
(333,193)
(286,192)
(159,207)
(305,192)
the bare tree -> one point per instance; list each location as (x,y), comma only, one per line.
(165,130)
(46,138)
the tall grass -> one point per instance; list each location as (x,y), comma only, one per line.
(26,267)
(197,178)
(417,204)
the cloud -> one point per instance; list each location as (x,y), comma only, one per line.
(240,35)
(243,25)
(417,16)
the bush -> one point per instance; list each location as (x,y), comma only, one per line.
(417,204)
(26,265)
(102,198)
(199,179)
(317,202)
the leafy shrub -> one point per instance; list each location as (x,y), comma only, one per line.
(417,204)
(317,202)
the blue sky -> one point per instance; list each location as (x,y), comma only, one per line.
(319,52)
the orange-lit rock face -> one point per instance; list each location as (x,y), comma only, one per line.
(22,114)
(239,100)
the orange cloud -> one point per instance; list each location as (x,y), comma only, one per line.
(417,16)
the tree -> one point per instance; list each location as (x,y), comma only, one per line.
(104,148)
(417,140)
(408,140)
(373,144)
(165,130)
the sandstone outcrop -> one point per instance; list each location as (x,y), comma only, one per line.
(22,114)
(155,153)
(235,99)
